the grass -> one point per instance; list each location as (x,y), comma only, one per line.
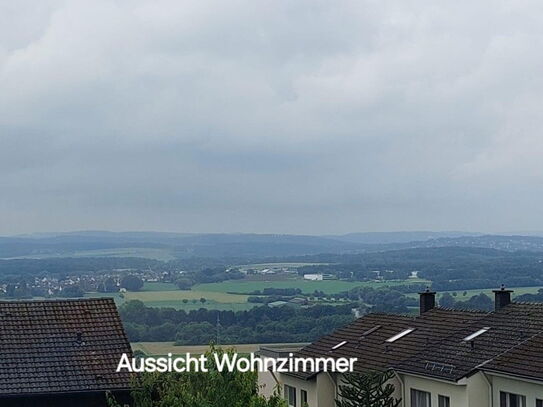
(327,286)
(180,295)
(159,286)
(211,305)
(262,266)
(217,295)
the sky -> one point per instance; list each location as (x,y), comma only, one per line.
(304,116)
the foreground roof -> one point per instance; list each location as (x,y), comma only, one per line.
(366,338)
(524,360)
(504,345)
(61,346)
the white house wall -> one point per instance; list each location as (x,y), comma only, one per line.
(517,386)
(457,393)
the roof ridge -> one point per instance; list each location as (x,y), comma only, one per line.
(470,311)
(36,301)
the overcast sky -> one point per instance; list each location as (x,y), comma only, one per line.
(271,116)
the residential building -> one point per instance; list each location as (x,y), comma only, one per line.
(61,353)
(313,277)
(440,358)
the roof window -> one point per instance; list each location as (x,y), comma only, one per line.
(476,334)
(400,335)
(339,345)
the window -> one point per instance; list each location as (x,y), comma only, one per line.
(476,334)
(420,398)
(538,403)
(512,400)
(339,345)
(303,398)
(290,395)
(443,401)
(400,335)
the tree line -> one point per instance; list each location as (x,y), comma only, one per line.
(257,325)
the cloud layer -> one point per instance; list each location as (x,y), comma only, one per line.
(270,116)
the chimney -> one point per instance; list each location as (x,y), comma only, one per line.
(427,300)
(502,298)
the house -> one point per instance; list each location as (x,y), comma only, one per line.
(440,358)
(298,301)
(61,353)
(313,277)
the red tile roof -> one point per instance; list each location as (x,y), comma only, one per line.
(61,346)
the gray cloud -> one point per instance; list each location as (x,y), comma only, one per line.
(272,116)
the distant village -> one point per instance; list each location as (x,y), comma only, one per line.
(77,284)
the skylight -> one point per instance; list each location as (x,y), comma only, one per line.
(370,331)
(400,335)
(476,334)
(339,345)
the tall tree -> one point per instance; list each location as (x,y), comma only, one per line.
(131,283)
(367,390)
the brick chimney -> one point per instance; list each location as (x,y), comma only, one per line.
(427,300)
(502,298)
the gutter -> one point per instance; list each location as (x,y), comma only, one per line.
(513,376)
(402,386)
(335,384)
(490,389)
(428,377)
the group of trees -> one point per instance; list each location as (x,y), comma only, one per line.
(214,388)
(449,268)
(480,302)
(354,272)
(214,274)
(258,325)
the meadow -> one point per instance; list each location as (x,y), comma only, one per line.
(327,286)
(232,295)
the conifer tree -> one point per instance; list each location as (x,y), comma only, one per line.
(367,390)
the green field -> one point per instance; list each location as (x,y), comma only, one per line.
(179,295)
(232,295)
(212,305)
(327,286)
(159,287)
(262,266)
(219,295)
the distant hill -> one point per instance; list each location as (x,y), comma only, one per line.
(499,242)
(398,237)
(178,245)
